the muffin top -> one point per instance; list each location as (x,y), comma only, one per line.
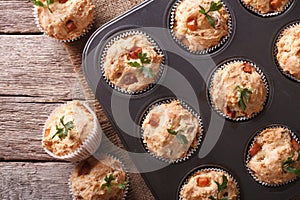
(132,63)
(238,90)
(273,152)
(267,6)
(66,19)
(170,130)
(197,30)
(288,54)
(102,178)
(67,128)
(202,185)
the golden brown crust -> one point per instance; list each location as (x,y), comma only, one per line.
(267,6)
(68,20)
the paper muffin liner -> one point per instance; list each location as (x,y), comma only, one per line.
(37,23)
(197,139)
(90,144)
(206,168)
(272,14)
(248,157)
(210,50)
(275,50)
(126,190)
(210,87)
(124,34)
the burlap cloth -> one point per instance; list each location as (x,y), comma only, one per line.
(105,11)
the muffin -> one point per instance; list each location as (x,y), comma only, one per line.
(238,90)
(202,185)
(65,19)
(71,132)
(132,63)
(266,6)
(95,179)
(288,51)
(272,155)
(198,29)
(170,131)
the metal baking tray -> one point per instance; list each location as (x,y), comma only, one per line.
(186,76)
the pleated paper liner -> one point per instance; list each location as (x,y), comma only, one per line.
(84,32)
(248,156)
(210,86)
(265,15)
(124,34)
(196,142)
(102,156)
(207,168)
(171,24)
(275,50)
(90,144)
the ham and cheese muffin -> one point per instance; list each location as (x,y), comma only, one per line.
(170,131)
(66,19)
(273,151)
(266,6)
(132,63)
(288,51)
(238,90)
(202,185)
(102,178)
(196,31)
(71,132)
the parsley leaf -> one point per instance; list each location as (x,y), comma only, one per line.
(213,7)
(180,138)
(243,95)
(61,132)
(41,4)
(122,186)
(221,187)
(142,69)
(109,183)
(287,165)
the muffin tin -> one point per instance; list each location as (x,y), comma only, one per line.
(186,76)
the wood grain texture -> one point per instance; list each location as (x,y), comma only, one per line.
(16,17)
(35,180)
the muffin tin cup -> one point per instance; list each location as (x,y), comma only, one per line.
(89,146)
(198,138)
(272,14)
(248,157)
(222,66)
(275,50)
(206,168)
(37,23)
(127,178)
(208,50)
(124,34)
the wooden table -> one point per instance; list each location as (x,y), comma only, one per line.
(36,76)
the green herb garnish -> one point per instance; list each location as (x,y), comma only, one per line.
(108,183)
(61,132)
(41,4)
(213,7)
(221,187)
(287,165)
(243,95)
(180,138)
(142,69)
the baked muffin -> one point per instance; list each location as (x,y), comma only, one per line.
(288,51)
(169,131)
(196,30)
(238,90)
(102,178)
(272,154)
(132,63)
(65,19)
(71,128)
(266,6)
(202,185)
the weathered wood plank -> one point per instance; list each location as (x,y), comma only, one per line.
(35,65)
(16,17)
